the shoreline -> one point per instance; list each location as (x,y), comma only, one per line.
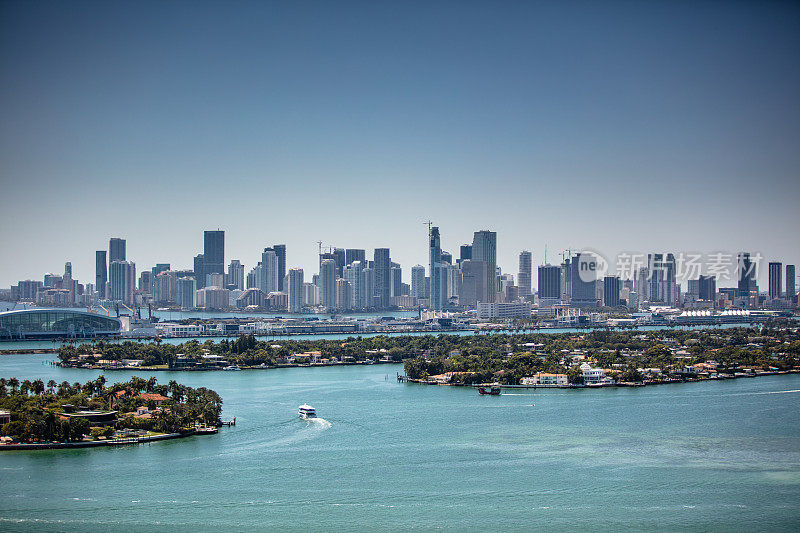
(624,384)
(98,443)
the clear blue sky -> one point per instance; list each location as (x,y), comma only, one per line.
(637,126)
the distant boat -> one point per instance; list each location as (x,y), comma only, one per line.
(494,391)
(306,411)
(231,368)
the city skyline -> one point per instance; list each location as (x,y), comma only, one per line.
(629,127)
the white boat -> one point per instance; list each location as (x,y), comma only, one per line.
(306,411)
(232,367)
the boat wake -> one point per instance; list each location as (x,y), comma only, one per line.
(321,422)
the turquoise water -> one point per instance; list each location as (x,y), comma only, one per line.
(714,456)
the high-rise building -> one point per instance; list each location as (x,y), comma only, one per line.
(549,279)
(418,281)
(707,288)
(661,271)
(473,283)
(269,271)
(100,273)
(775,280)
(382,278)
(352,274)
(280,251)
(339,256)
(186,289)
(165,287)
(354,254)
(236,274)
(747,276)
(295,290)
(159,268)
(200,271)
(146,282)
(344,294)
(611,291)
(584,281)
(484,248)
(214,252)
(327,276)
(122,281)
(525,272)
(395,280)
(435,271)
(367,287)
(791,291)
(465,252)
(447,257)
(116,249)
(326,256)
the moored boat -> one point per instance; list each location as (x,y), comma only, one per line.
(494,391)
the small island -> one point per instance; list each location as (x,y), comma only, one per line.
(39,415)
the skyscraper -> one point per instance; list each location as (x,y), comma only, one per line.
(790,284)
(395,280)
(611,291)
(295,290)
(473,283)
(100,273)
(236,274)
(354,254)
(213,252)
(382,278)
(524,277)
(747,275)
(584,281)
(269,271)
(707,288)
(116,249)
(200,271)
(327,277)
(775,281)
(186,289)
(418,281)
(549,283)
(352,273)
(435,272)
(280,251)
(344,294)
(340,256)
(484,248)
(367,287)
(122,281)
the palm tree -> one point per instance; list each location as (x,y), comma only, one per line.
(51,385)
(25,387)
(37,387)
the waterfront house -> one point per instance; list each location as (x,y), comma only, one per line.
(594,376)
(5,417)
(544,379)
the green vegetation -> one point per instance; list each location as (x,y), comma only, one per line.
(490,357)
(41,413)
(506,359)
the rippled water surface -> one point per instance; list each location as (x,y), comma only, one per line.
(394,457)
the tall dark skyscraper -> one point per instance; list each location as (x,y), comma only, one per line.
(116,250)
(707,288)
(525,274)
(214,252)
(339,257)
(747,276)
(100,273)
(790,284)
(550,282)
(383,266)
(484,248)
(280,251)
(775,281)
(611,291)
(354,254)
(584,281)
